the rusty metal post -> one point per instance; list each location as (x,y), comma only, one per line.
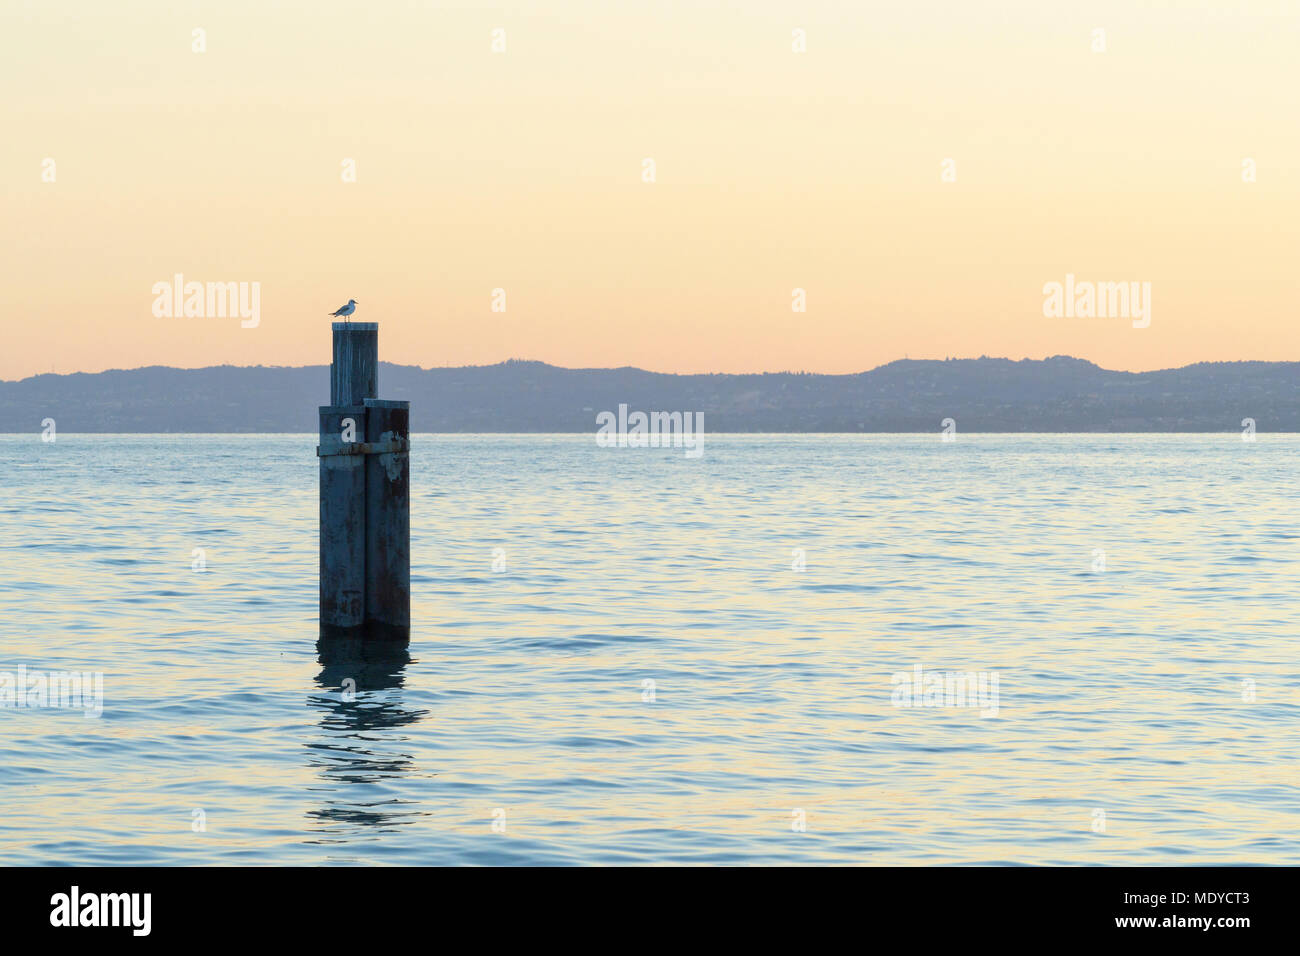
(365,570)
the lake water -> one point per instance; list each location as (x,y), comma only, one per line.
(1136,597)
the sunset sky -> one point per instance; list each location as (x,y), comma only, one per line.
(775,170)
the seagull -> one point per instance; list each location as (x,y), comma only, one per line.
(344,311)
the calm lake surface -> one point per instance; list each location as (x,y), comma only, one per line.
(1147,712)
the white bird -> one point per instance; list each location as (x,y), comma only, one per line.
(344,311)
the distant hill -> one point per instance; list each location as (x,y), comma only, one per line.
(1058,394)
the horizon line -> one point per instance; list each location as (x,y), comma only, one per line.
(636,368)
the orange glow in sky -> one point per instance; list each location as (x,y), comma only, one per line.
(131,156)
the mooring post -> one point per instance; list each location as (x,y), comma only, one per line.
(365,570)
(342,524)
(388,519)
(354,372)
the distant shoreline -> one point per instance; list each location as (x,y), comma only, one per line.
(1059,395)
(634,368)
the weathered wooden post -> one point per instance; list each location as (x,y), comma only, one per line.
(365,523)
(354,371)
(388,519)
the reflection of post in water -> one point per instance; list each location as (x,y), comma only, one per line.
(358,751)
